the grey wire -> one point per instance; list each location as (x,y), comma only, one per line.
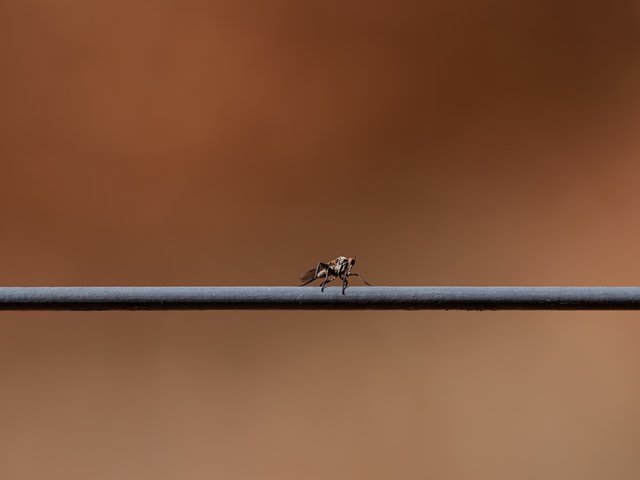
(311,298)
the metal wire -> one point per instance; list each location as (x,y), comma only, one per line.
(311,298)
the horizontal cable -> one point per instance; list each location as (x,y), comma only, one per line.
(311,298)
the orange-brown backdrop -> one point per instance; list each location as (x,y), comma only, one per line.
(238,143)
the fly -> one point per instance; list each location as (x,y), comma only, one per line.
(329,271)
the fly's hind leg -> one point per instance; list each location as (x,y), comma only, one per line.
(326,280)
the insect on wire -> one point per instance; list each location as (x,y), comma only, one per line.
(338,268)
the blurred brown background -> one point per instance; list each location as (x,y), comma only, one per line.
(238,143)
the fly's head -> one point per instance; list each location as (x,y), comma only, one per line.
(350,264)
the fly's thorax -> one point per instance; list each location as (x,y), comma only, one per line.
(340,265)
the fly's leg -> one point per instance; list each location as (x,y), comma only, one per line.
(345,282)
(358,275)
(326,280)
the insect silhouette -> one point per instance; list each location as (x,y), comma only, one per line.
(329,271)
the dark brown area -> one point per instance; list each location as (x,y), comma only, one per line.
(462,143)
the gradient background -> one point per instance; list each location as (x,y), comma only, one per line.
(238,143)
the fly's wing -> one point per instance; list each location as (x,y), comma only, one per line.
(310,275)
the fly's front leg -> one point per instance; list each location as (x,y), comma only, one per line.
(345,282)
(358,275)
